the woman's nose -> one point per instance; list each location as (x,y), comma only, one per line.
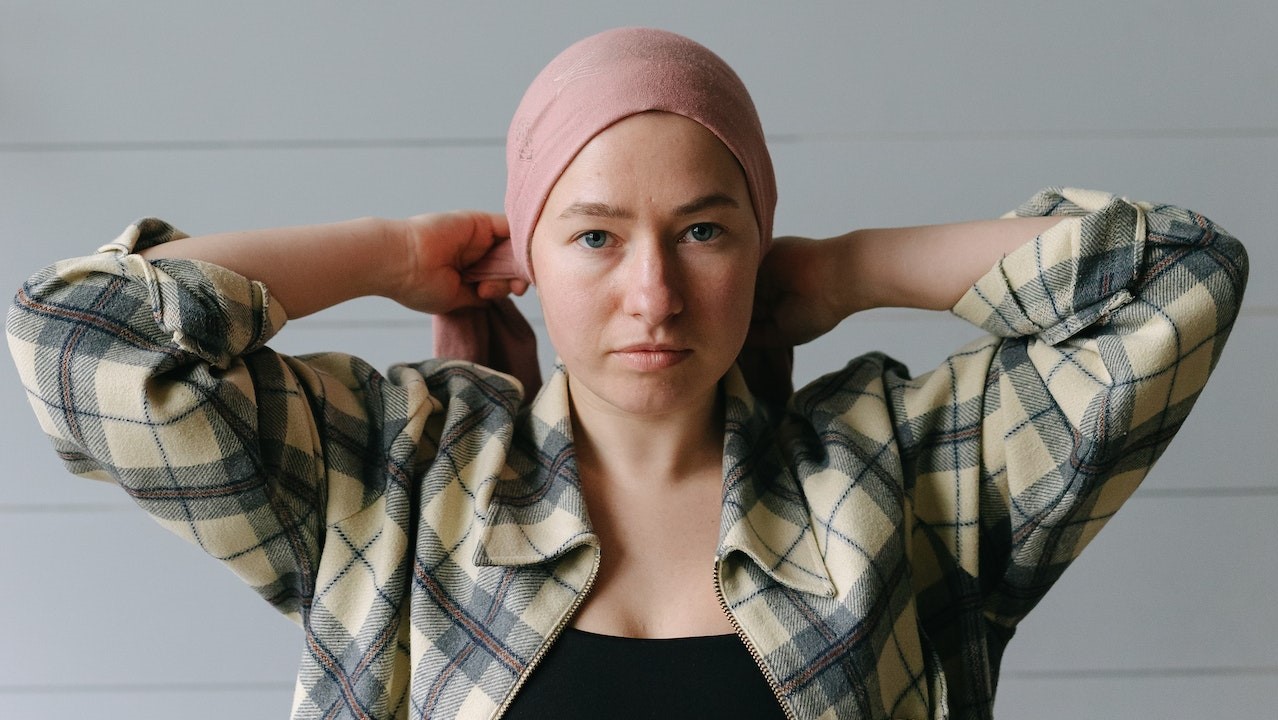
(652,284)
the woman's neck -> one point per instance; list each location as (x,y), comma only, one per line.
(647,449)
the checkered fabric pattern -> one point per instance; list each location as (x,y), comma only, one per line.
(880,540)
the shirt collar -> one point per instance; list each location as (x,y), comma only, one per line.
(765,515)
(537,512)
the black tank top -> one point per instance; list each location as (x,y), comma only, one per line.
(585,675)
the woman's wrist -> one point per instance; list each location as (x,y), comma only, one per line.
(396,250)
(857,273)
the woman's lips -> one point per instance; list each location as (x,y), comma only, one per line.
(651,357)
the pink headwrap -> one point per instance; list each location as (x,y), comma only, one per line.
(590,86)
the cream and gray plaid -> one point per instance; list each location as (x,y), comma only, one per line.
(879,542)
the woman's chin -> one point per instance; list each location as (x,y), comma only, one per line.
(646,394)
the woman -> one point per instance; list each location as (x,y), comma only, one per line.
(643,535)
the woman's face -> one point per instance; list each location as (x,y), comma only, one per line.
(645,258)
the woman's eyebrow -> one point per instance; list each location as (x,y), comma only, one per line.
(596,209)
(705,202)
(606,210)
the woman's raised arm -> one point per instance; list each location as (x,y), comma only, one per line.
(416,261)
(147,365)
(808,286)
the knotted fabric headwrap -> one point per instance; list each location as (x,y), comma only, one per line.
(589,87)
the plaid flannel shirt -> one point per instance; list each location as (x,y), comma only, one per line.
(880,539)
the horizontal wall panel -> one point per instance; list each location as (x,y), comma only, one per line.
(143,703)
(111,598)
(1170,585)
(829,188)
(146,70)
(1174,697)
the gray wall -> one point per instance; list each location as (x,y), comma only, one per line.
(244,114)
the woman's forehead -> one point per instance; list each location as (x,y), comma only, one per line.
(658,153)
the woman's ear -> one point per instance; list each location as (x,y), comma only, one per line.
(531,274)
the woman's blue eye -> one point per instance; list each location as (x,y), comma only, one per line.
(593,239)
(702,232)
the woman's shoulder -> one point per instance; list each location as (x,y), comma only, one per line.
(871,377)
(851,404)
(475,386)
(875,394)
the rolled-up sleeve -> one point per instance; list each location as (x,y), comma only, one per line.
(1104,330)
(156,375)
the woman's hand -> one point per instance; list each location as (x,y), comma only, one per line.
(438,249)
(799,295)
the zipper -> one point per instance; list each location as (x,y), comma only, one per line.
(754,652)
(550,639)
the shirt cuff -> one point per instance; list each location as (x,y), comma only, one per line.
(1070,277)
(210,311)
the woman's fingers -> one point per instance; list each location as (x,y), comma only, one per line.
(792,303)
(500,227)
(497,289)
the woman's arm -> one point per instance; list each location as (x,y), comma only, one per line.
(416,261)
(1018,448)
(146,364)
(929,266)
(810,286)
